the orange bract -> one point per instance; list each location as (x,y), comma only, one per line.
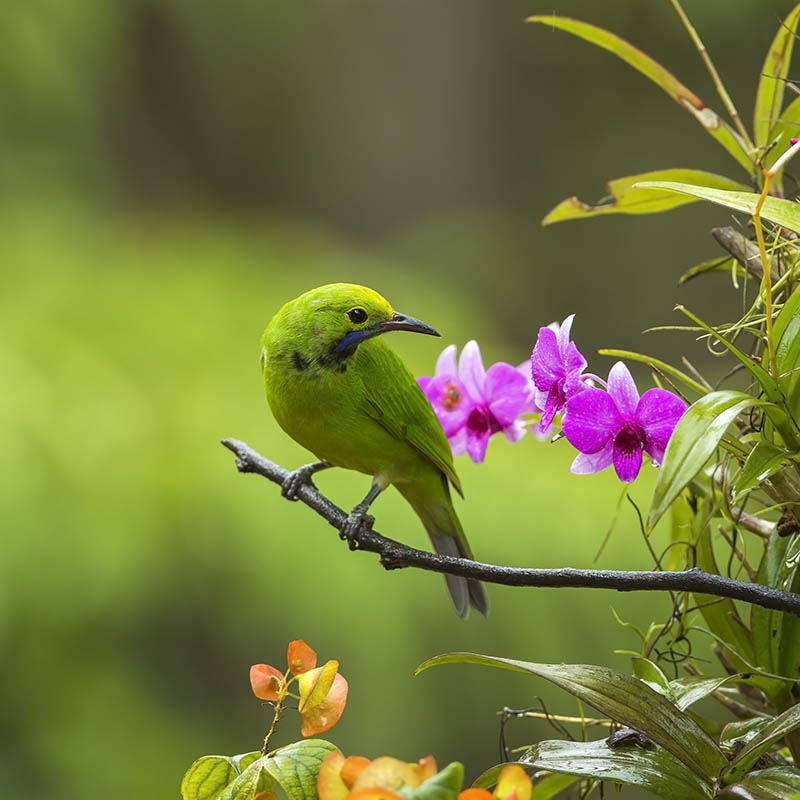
(265,681)
(300,657)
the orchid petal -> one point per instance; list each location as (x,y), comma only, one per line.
(514,432)
(476,444)
(423,382)
(506,391)
(446,363)
(623,390)
(586,464)
(627,463)
(450,401)
(658,413)
(546,362)
(563,335)
(574,364)
(551,406)
(471,370)
(591,420)
(458,442)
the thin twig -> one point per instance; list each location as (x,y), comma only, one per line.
(394,555)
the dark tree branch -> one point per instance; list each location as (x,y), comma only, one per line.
(394,555)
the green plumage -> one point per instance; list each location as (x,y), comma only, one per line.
(336,388)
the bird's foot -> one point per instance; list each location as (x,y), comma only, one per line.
(357,523)
(296,479)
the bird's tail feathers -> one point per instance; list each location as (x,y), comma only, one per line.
(447,538)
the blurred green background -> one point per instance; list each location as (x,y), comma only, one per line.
(172,172)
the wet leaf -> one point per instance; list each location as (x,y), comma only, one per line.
(776,730)
(775,783)
(685,97)
(623,698)
(653,769)
(742,731)
(623,198)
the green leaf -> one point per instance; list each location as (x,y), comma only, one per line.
(296,766)
(742,731)
(652,769)
(445,785)
(789,311)
(551,785)
(625,199)
(765,459)
(623,698)
(252,781)
(688,691)
(783,131)
(775,783)
(694,439)
(661,366)
(711,265)
(649,672)
(685,97)
(775,209)
(769,97)
(783,724)
(210,776)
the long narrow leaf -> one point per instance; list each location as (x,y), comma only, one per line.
(623,698)
(652,769)
(662,366)
(759,744)
(683,95)
(769,97)
(775,209)
(623,198)
(694,439)
(775,783)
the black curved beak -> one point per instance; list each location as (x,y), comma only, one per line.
(402,322)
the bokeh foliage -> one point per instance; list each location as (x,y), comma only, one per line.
(171,173)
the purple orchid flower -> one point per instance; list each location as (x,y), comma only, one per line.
(556,367)
(617,425)
(473,403)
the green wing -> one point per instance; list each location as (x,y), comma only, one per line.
(394,400)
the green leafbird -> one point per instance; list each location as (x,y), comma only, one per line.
(337,389)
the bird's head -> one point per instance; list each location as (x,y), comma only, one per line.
(339,316)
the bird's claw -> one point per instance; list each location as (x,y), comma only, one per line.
(294,481)
(357,523)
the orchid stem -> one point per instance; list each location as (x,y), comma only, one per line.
(712,70)
(766,276)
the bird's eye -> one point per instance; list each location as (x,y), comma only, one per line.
(357,315)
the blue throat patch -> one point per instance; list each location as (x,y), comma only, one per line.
(354,338)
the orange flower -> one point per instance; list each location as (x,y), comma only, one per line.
(512,784)
(358,778)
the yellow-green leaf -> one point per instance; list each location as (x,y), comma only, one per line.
(623,198)
(769,97)
(683,95)
(775,209)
